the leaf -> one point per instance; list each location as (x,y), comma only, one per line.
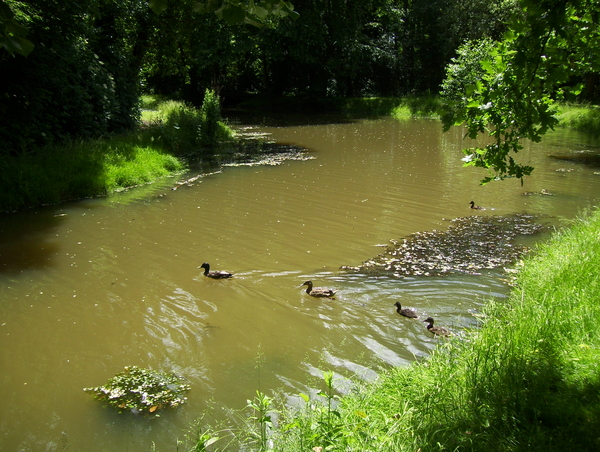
(153,409)
(16,28)
(232,14)
(158,6)
(15,44)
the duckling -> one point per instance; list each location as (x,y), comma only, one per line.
(473,206)
(406,312)
(437,330)
(318,291)
(216,274)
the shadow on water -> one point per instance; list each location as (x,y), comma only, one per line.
(25,240)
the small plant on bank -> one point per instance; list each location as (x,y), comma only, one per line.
(261,406)
(141,391)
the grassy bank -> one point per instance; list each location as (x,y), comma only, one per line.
(582,117)
(527,380)
(170,136)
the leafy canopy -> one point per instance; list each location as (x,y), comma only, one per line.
(238,11)
(12,37)
(550,46)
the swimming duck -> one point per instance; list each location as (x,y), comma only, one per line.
(473,206)
(406,312)
(318,291)
(216,274)
(437,330)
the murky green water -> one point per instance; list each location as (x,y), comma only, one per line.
(90,287)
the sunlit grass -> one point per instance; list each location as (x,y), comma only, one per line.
(82,169)
(172,132)
(582,117)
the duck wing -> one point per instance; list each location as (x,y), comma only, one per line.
(322,292)
(220,274)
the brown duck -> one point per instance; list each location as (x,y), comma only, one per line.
(318,291)
(473,206)
(406,312)
(437,330)
(216,274)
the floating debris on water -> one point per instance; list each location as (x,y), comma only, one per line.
(542,192)
(470,245)
(269,154)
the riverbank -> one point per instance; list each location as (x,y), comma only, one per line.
(527,380)
(167,141)
(171,136)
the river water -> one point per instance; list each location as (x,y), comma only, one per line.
(89,287)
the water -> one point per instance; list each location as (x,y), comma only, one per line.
(90,287)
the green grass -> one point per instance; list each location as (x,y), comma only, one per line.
(580,117)
(84,169)
(171,134)
(527,380)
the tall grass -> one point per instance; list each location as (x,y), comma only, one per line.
(173,132)
(580,117)
(527,380)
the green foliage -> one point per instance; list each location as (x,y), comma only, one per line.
(186,130)
(12,38)
(465,72)
(211,118)
(141,391)
(199,437)
(585,118)
(80,82)
(81,169)
(261,406)
(237,11)
(539,60)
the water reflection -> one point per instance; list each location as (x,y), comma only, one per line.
(90,287)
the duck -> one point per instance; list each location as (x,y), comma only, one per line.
(473,206)
(216,274)
(406,312)
(318,291)
(437,330)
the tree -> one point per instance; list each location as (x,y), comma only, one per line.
(237,11)
(81,79)
(551,46)
(13,38)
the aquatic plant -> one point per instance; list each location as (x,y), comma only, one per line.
(141,390)
(469,245)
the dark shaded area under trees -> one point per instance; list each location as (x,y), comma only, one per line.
(92,59)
